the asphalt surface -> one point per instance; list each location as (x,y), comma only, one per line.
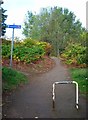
(35,99)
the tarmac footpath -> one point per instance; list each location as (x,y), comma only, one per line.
(34,100)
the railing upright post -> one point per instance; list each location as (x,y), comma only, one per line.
(76,94)
(53,95)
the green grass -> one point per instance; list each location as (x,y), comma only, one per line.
(11,79)
(80,76)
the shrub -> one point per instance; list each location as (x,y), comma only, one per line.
(74,53)
(29,42)
(47,47)
(6,48)
(26,54)
(26,51)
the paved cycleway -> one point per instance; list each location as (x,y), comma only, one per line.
(35,99)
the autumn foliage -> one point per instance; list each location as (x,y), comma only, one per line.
(26,51)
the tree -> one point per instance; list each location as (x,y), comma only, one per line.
(28,24)
(56,25)
(1,2)
(3,17)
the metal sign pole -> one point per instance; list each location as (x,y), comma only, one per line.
(12,43)
(12,48)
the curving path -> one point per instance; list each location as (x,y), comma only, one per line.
(35,99)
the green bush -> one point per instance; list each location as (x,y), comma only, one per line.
(29,42)
(46,46)
(74,53)
(6,48)
(26,51)
(26,54)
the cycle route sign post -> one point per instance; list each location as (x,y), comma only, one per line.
(13,27)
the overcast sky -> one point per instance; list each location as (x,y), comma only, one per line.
(16,10)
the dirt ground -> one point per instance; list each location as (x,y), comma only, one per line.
(35,98)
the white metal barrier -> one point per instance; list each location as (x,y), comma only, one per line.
(65,82)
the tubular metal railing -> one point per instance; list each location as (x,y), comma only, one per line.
(65,82)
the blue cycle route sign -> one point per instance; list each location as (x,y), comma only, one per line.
(14,26)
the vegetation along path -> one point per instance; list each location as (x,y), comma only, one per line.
(35,98)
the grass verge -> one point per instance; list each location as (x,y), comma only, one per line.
(11,79)
(80,75)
